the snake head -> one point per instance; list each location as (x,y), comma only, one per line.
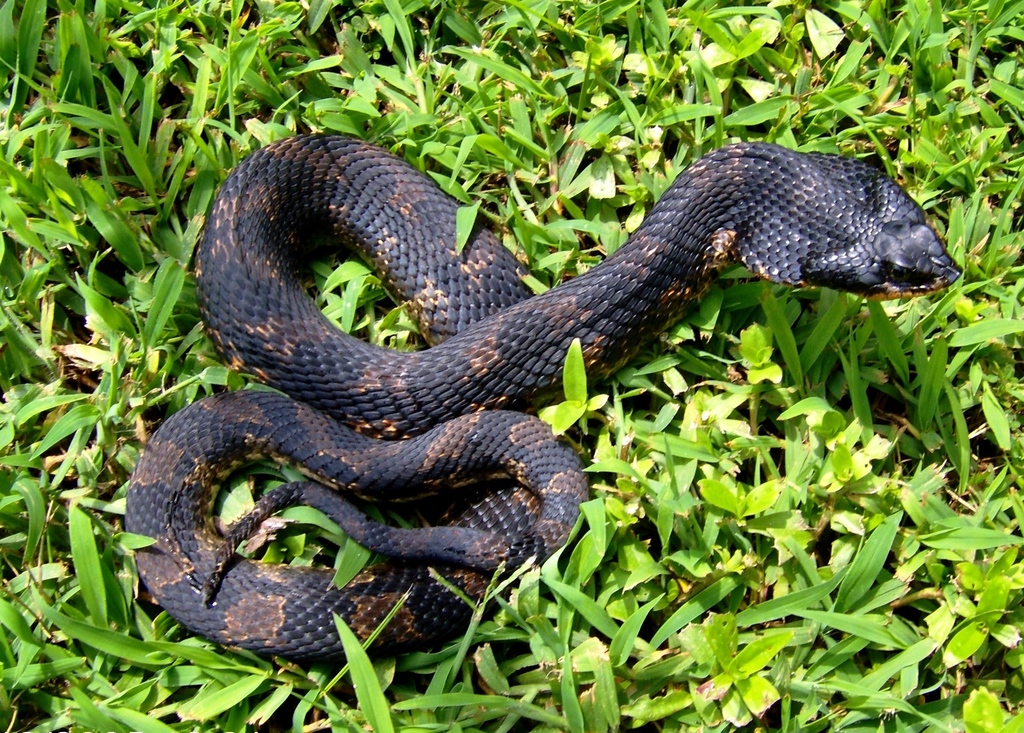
(822,220)
(893,252)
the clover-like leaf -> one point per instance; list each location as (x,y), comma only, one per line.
(758,694)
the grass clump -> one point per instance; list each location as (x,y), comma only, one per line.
(806,508)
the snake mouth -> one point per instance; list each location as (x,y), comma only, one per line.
(893,291)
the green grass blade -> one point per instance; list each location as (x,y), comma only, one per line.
(167,285)
(87,565)
(216,699)
(695,608)
(793,604)
(783,336)
(888,340)
(368,691)
(868,562)
(822,333)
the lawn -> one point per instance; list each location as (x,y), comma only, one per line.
(806,507)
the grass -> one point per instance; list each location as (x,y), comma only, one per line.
(807,510)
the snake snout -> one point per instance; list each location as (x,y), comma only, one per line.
(911,261)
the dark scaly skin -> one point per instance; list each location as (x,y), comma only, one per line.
(790,218)
(783,214)
(287,610)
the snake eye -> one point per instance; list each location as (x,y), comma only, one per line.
(899,272)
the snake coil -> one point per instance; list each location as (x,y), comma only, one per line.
(789,217)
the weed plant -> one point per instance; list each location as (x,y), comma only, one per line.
(806,508)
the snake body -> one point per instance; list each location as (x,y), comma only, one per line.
(789,217)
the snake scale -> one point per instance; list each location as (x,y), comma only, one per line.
(789,217)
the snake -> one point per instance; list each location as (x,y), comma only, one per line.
(367,423)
